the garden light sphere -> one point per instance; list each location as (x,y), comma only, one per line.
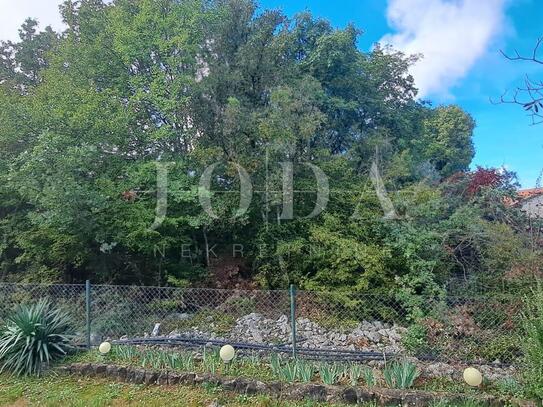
(227,353)
(104,347)
(473,377)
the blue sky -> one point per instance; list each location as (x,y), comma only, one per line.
(461,40)
(504,135)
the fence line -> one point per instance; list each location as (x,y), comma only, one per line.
(478,329)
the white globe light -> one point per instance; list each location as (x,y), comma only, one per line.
(227,353)
(104,348)
(473,377)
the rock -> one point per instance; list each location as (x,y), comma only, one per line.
(99,370)
(173,378)
(163,378)
(156,329)
(378,325)
(256,387)
(314,392)
(96,339)
(122,371)
(150,377)
(438,369)
(373,336)
(139,376)
(349,395)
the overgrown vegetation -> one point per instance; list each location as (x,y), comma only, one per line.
(89,119)
(533,343)
(34,337)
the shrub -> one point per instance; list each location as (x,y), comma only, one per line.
(400,375)
(33,337)
(504,348)
(415,339)
(533,343)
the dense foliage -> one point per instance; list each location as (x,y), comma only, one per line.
(33,337)
(533,344)
(138,94)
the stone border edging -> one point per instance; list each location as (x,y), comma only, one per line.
(313,391)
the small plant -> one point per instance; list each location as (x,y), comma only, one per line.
(187,361)
(305,371)
(211,361)
(34,336)
(400,375)
(330,373)
(369,377)
(355,373)
(415,339)
(289,371)
(275,364)
(510,387)
(125,353)
(253,359)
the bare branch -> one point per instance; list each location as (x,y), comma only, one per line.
(532,58)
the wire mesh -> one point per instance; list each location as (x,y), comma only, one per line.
(475,329)
(68,297)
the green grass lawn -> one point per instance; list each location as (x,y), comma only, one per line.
(66,391)
(59,390)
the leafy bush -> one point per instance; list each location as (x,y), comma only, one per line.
(504,348)
(33,337)
(400,375)
(533,343)
(415,339)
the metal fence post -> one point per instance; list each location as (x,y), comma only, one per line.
(293,317)
(88,312)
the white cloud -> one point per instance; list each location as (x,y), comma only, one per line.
(14,12)
(451,34)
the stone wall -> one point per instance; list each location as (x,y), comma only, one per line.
(316,392)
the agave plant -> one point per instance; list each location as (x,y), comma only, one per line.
(400,375)
(33,337)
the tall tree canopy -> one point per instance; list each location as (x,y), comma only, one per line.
(136,95)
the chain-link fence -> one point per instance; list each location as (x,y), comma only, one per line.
(68,297)
(477,329)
